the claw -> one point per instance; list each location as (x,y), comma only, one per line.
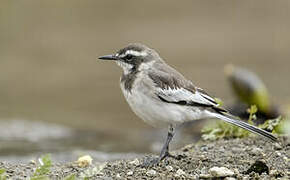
(150,162)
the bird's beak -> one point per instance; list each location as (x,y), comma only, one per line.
(108,57)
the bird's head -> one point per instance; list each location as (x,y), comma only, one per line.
(133,57)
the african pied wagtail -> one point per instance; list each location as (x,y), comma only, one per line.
(161,96)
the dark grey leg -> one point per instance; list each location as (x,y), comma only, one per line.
(165,149)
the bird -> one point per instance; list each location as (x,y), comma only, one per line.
(163,97)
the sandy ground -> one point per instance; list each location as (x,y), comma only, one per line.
(250,158)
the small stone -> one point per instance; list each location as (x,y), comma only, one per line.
(278,153)
(204,148)
(230,178)
(277,146)
(220,172)
(204,176)
(236,150)
(191,176)
(84,161)
(246,178)
(277,173)
(33,162)
(236,171)
(203,158)
(273,172)
(169,168)
(179,172)
(135,162)
(256,151)
(130,173)
(151,172)
(118,176)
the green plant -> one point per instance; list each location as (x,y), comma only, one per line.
(41,172)
(222,129)
(252,113)
(70,177)
(219,101)
(275,125)
(3,174)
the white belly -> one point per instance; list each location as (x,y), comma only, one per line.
(155,112)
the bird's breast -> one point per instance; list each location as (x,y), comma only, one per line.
(148,107)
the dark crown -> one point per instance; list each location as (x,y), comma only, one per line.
(136,47)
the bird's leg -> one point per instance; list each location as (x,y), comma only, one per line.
(164,151)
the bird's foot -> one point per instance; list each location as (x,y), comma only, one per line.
(150,162)
(153,161)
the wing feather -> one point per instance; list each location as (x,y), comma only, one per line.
(172,87)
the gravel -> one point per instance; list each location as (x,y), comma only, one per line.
(231,159)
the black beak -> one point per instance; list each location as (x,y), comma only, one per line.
(108,57)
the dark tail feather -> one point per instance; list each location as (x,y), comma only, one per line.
(232,120)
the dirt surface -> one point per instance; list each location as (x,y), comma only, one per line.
(235,158)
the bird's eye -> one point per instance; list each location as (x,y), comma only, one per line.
(129,57)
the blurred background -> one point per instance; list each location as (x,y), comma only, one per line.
(56,97)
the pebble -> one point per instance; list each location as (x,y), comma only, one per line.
(135,162)
(32,162)
(169,168)
(220,172)
(256,151)
(118,176)
(202,157)
(151,172)
(236,171)
(278,146)
(230,178)
(130,173)
(273,172)
(84,161)
(236,150)
(179,172)
(246,177)
(204,148)
(204,176)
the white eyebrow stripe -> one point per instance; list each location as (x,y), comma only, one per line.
(136,53)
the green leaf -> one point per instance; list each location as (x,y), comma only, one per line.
(252,110)
(70,177)
(274,125)
(3,174)
(45,166)
(219,101)
(2,171)
(222,130)
(40,178)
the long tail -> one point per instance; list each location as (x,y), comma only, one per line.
(232,120)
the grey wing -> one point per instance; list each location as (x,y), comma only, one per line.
(172,87)
(185,97)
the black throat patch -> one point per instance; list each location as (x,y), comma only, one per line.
(129,79)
